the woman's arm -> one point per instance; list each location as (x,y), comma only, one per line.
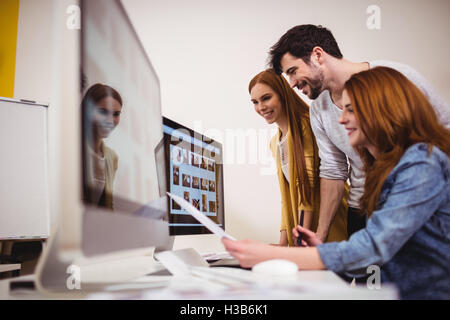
(249,253)
(283,239)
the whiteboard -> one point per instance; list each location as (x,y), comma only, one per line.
(24,202)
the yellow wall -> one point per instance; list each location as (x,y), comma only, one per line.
(9,16)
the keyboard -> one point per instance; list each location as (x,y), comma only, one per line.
(213,256)
(221,259)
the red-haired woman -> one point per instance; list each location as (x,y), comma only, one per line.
(405,151)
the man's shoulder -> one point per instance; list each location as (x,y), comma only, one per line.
(405,69)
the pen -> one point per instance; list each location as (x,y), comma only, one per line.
(299,239)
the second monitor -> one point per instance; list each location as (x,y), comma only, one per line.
(194,172)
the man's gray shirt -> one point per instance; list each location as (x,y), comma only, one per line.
(338,160)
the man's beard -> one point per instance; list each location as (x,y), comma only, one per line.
(316,84)
(315,92)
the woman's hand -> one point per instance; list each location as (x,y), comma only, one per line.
(309,238)
(248,252)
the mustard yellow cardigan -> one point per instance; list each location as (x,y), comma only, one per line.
(291,202)
(111,162)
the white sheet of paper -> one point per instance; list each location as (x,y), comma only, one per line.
(203,219)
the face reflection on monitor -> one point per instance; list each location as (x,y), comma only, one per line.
(103,105)
(123,157)
(106,116)
(123,150)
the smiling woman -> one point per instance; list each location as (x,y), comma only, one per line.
(348,119)
(296,154)
(384,124)
(103,105)
(268,104)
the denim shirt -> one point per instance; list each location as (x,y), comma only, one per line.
(409,236)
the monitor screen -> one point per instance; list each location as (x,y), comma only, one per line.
(195,172)
(122,139)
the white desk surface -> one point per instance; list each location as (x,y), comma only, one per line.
(308,285)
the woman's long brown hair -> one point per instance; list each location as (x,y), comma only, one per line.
(393,114)
(295,109)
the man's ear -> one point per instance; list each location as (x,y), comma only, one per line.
(317,55)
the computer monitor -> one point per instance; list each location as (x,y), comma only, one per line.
(121,134)
(118,204)
(194,172)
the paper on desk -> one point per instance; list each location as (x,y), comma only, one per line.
(203,219)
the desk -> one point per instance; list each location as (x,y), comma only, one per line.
(307,285)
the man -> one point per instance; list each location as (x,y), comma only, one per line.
(310,57)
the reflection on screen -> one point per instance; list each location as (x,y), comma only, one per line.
(122,130)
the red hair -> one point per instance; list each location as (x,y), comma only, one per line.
(393,114)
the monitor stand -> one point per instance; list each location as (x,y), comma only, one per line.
(168,246)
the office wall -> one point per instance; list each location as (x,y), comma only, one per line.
(205,53)
(34,51)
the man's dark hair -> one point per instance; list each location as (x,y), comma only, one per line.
(300,41)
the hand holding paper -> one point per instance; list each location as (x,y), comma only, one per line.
(203,219)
